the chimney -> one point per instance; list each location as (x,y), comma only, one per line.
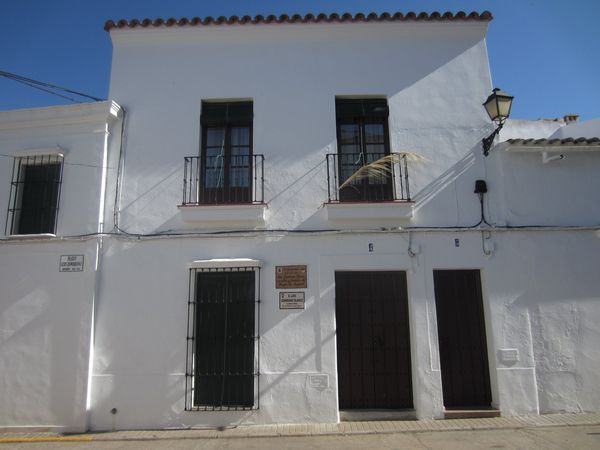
(570,118)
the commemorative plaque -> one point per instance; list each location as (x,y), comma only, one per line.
(291,277)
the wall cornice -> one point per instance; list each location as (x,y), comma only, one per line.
(56,116)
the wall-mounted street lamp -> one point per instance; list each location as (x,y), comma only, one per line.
(498,107)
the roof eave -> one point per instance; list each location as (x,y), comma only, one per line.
(411,16)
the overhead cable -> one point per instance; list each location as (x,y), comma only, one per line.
(47,87)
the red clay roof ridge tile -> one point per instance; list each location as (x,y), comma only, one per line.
(581,141)
(410,16)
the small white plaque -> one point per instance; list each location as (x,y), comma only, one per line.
(71,263)
(508,355)
(291,300)
(319,381)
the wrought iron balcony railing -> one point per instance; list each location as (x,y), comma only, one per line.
(215,180)
(368,177)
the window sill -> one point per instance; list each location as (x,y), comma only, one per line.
(369,211)
(227,263)
(31,236)
(247,216)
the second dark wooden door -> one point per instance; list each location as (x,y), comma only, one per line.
(461,334)
(373,344)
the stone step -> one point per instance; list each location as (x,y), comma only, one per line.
(361,415)
(471,412)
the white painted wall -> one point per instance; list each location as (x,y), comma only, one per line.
(529,282)
(587,129)
(45,322)
(83,132)
(526,191)
(546,306)
(434,75)
(530,129)
(46,315)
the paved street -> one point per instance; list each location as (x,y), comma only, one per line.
(560,437)
(553,431)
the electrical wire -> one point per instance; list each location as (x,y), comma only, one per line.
(121,234)
(482,220)
(48,91)
(47,87)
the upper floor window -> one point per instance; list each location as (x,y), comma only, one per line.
(226,158)
(362,138)
(34,194)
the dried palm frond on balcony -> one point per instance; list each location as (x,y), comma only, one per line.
(382,168)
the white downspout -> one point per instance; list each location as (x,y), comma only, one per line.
(97,270)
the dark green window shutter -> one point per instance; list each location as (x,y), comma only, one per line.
(347,108)
(223,113)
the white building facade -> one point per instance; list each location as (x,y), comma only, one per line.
(201,265)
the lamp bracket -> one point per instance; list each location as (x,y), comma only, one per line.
(488,141)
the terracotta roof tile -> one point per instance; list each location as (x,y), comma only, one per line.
(555,142)
(435,16)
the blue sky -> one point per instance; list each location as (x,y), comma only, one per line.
(544,52)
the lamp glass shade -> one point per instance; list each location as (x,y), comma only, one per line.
(504,104)
(498,105)
(491,106)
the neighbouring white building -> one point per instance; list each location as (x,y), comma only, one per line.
(207,247)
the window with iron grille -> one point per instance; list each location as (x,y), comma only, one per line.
(34,194)
(362,138)
(222,359)
(226,157)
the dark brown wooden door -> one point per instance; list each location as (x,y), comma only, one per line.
(461,334)
(373,340)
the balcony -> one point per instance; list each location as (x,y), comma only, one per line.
(385,182)
(240,180)
(368,186)
(219,192)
